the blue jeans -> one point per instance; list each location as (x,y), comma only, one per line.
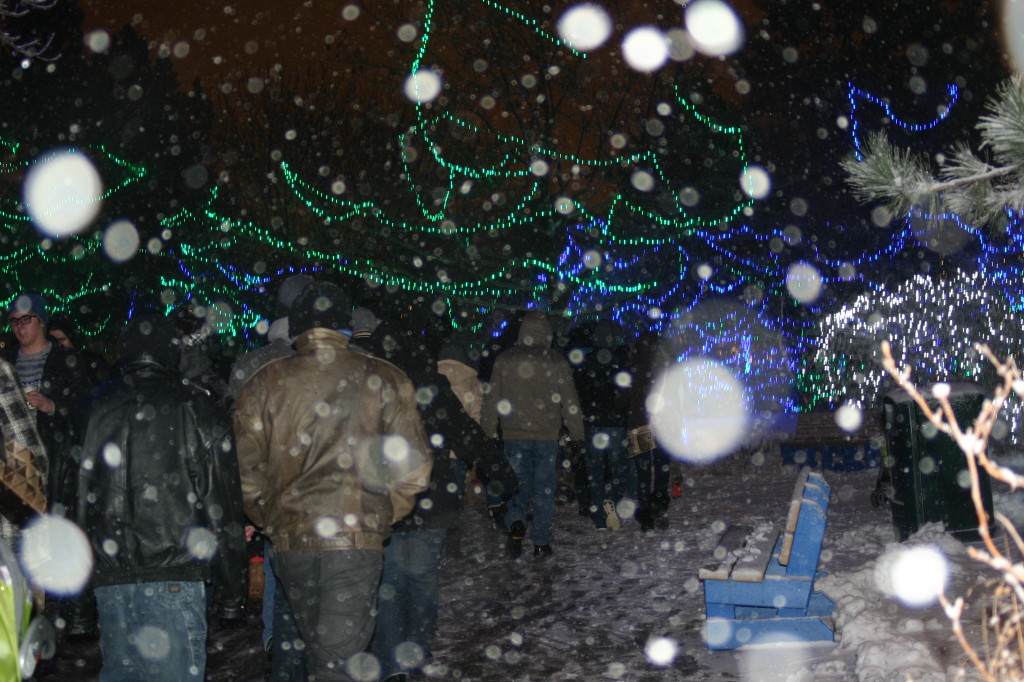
(605,449)
(332,594)
(152,631)
(407,600)
(269,589)
(533,461)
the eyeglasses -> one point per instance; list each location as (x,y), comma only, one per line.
(21,321)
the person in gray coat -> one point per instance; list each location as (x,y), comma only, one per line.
(530,398)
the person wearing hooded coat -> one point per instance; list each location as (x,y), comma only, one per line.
(648,360)
(600,383)
(160,501)
(531,397)
(407,597)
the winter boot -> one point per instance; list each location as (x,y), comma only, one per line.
(515,539)
(542,550)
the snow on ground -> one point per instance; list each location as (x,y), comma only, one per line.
(590,611)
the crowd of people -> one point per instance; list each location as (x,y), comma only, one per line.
(343,444)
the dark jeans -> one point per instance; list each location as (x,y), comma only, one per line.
(289,658)
(533,461)
(152,631)
(407,600)
(605,450)
(652,472)
(332,595)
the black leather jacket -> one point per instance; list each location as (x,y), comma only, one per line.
(158,488)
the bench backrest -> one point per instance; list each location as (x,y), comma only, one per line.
(805,525)
(821,427)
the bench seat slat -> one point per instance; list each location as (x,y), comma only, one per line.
(724,555)
(756,553)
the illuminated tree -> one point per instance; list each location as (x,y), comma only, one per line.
(938,319)
(538,174)
(146,138)
(979,186)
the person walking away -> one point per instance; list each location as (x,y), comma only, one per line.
(530,396)
(648,361)
(332,452)
(454,362)
(285,649)
(602,381)
(408,593)
(160,501)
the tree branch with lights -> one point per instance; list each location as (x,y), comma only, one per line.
(978,185)
(974,442)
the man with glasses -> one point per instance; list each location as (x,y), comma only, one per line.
(54,378)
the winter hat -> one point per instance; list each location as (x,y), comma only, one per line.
(279,330)
(363,320)
(63,323)
(321,304)
(30,302)
(290,289)
(456,352)
(150,335)
(607,334)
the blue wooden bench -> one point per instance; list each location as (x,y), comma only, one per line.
(818,441)
(760,588)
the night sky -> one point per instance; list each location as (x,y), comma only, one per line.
(787,86)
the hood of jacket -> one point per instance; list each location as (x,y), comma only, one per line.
(535,331)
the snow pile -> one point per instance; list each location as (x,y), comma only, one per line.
(890,640)
(628,605)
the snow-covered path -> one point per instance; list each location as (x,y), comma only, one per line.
(588,612)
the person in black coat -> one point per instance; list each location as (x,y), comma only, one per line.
(407,597)
(54,379)
(602,385)
(160,501)
(65,331)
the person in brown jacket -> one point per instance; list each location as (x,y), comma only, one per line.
(332,452)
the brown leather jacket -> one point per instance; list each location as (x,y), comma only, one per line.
(330,445)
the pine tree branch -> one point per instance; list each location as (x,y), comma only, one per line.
(940,187)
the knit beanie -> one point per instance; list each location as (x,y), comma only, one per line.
(279,330)
(30,302)
(321,304)
(457,352)
(150,335)
(363,320)
(290,289)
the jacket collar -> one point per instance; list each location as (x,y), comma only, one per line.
(319,337)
